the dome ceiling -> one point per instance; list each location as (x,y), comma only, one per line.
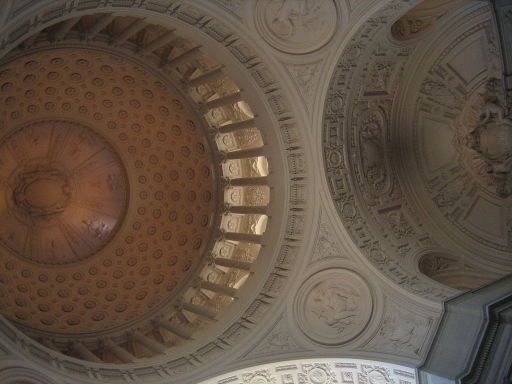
(402,153)
(74,114)
(136,189)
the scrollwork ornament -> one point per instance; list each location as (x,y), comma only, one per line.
(317,374)
(259,377)
(374,374)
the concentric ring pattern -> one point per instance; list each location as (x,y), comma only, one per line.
(66,192)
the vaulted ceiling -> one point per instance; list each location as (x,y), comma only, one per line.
(191,187)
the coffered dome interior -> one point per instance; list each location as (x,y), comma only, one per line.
(135,188)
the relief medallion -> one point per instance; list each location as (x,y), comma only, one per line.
(333,306)
(296,26)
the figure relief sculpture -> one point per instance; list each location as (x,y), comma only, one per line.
(333,306)
(296,26)
(336,305)
(373,151)
(292,16)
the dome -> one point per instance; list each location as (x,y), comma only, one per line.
(418,178)
(111,191)
(136,190)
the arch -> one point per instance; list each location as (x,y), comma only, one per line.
(451,271)
(320,371)
(17,372)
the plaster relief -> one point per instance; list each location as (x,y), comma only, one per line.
(306,78)
(326,246)
(259,377)
(320,371)
(421,18)
(333,306)
(372,374)
(450,270)
(401,333)
(277,341)
(491,139)
(317,374)
(396,219)
(379,156)
(381,76)
(296,26)
(376,175)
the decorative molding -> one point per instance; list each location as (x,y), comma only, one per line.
(401,332)
(455,178)
(278,341)
(262,376)
(236,7)
(326,246)
(317,373)
(320,371)
(491,139)
(362,181)
(370,161)
(306,78)
(13,371)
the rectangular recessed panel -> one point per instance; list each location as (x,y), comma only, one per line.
(486,218)
(436,137)
(470,61)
